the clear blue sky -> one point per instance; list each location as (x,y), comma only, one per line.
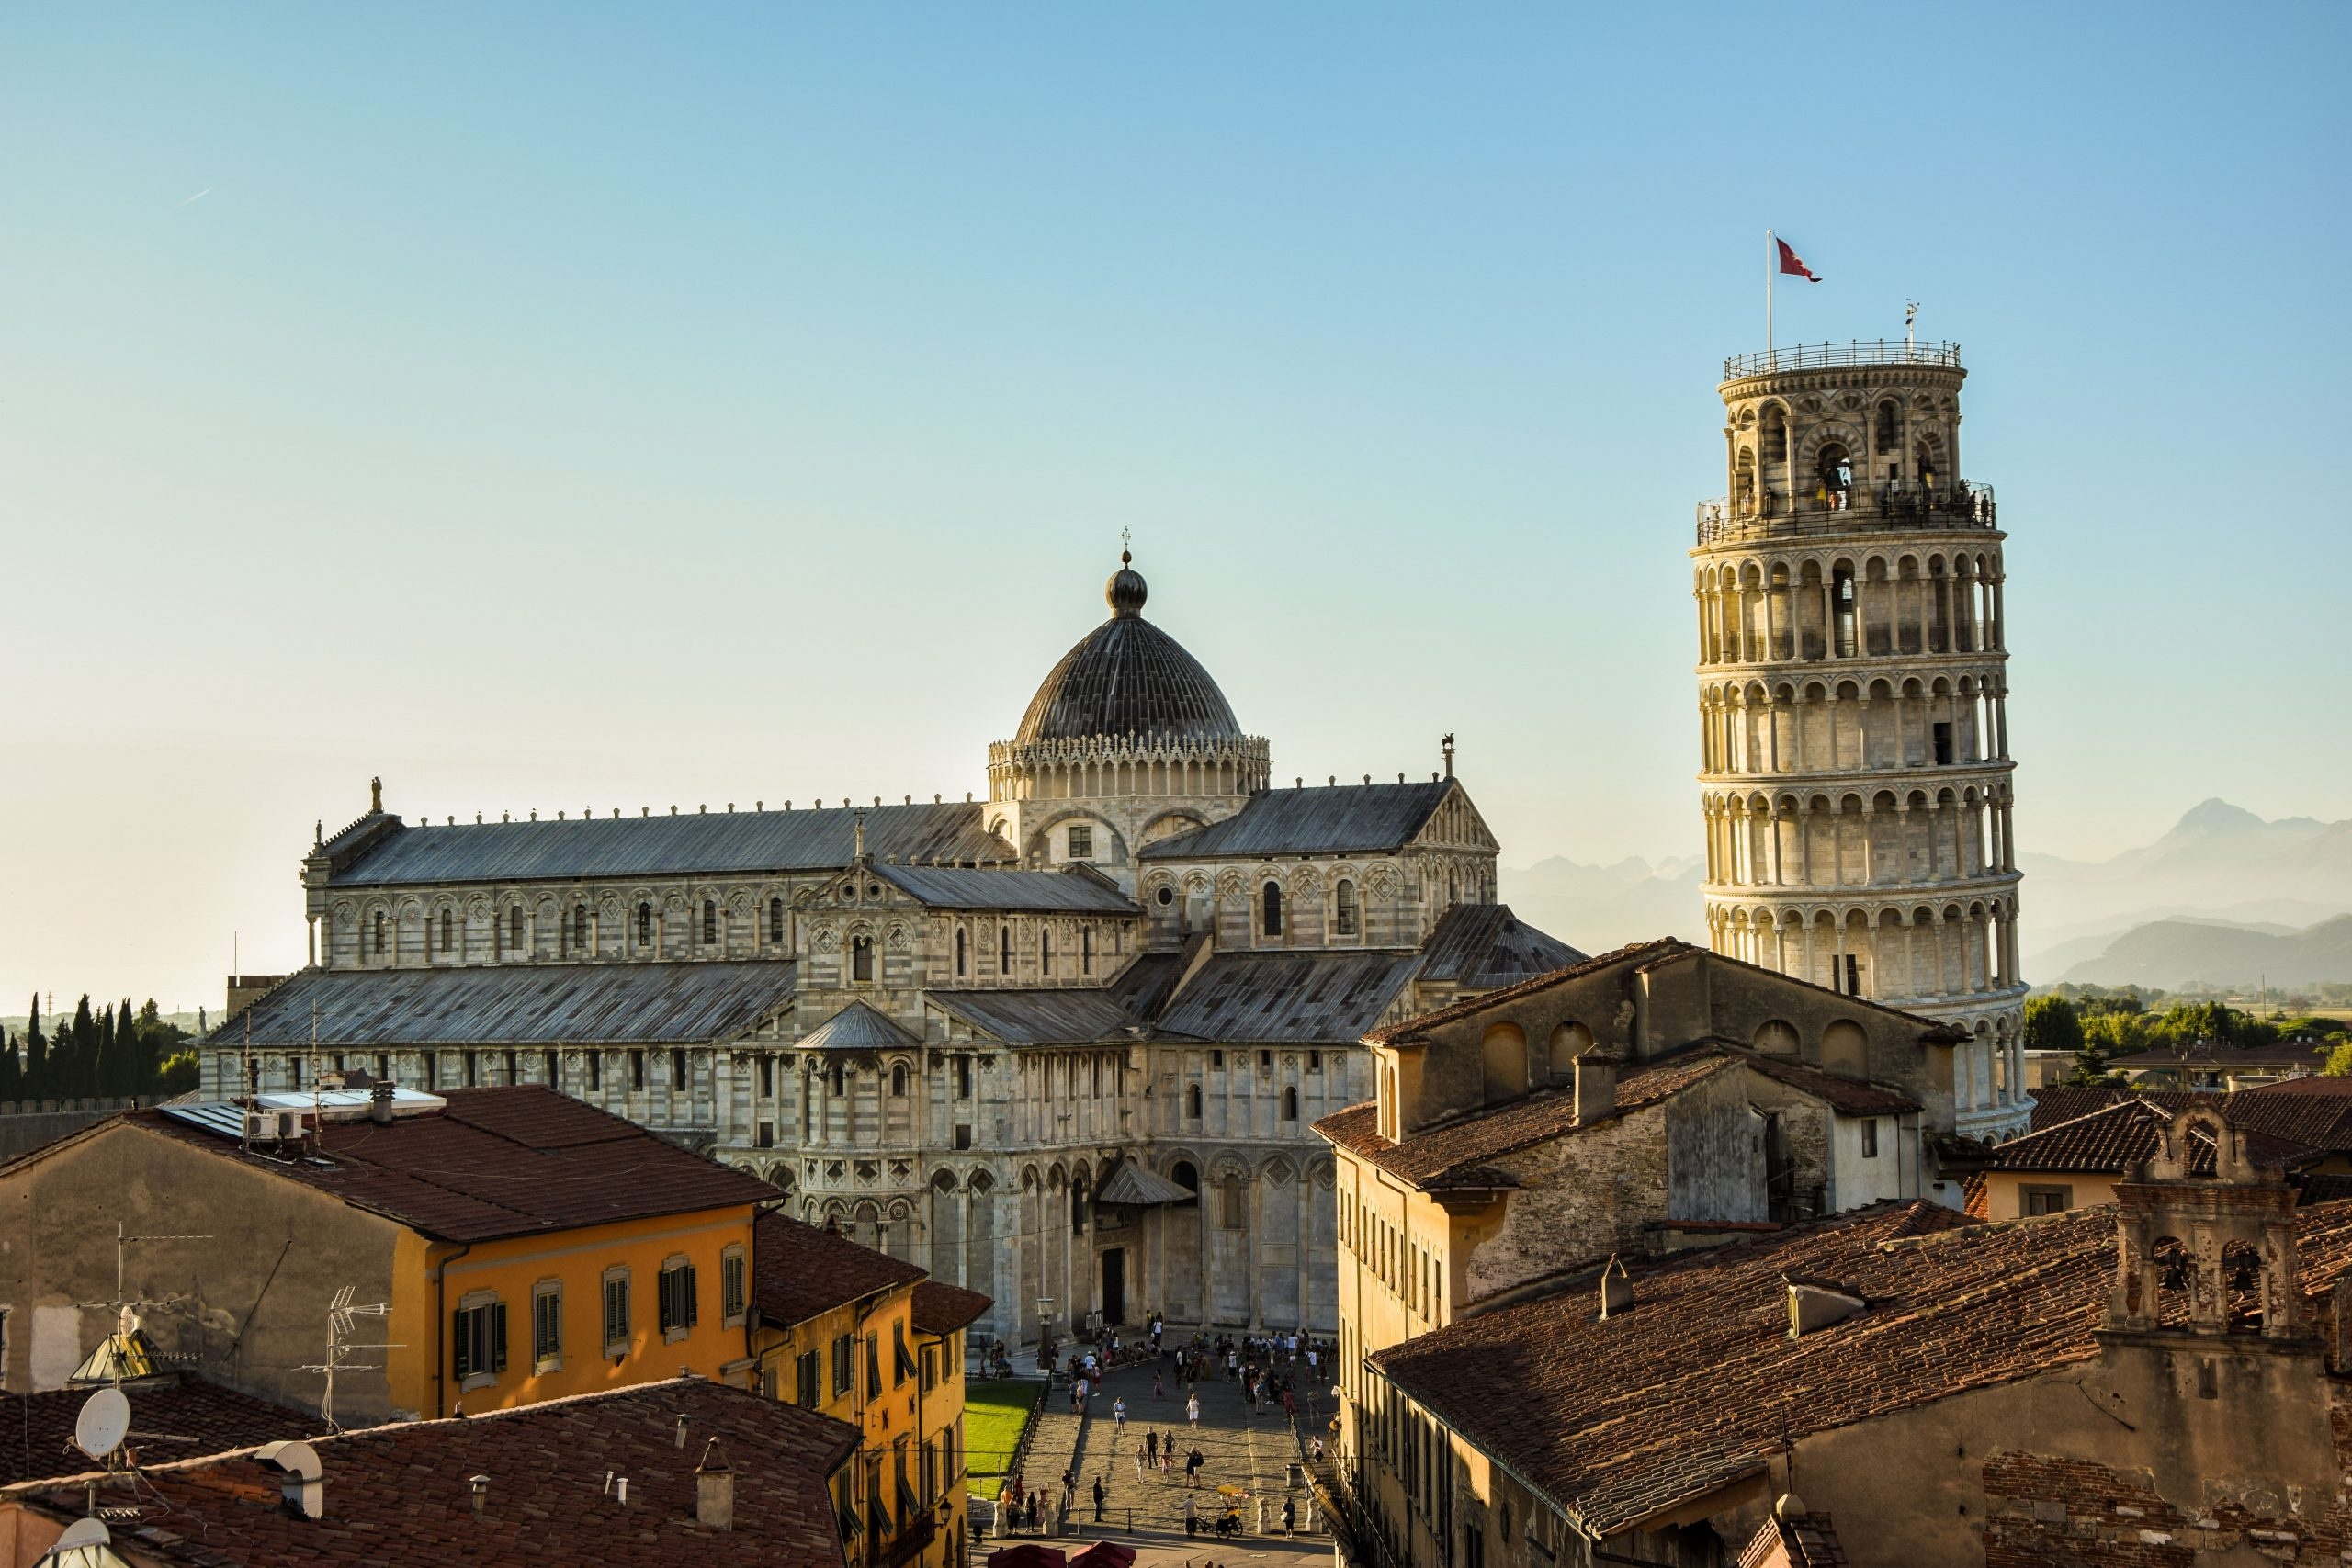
(565,406)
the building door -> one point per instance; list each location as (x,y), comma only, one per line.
(1114,1286)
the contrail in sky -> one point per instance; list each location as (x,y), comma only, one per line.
(199,195)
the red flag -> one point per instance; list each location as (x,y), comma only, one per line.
(1790,262)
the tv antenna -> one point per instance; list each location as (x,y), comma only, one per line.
(117,1351)
(343,1320)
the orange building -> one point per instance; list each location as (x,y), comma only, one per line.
(526,1247)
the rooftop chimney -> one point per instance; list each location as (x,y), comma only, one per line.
(298,1471)
(379,1103)
(681,1442)
(1596,1085)
(480,1486)
(714,1489)
(1616,1290)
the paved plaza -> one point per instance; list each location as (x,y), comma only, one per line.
(1144,1507)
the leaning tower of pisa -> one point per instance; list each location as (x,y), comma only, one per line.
(1852,677)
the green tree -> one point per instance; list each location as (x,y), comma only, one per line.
(179,1074)
(2339,1061)
(36,1078)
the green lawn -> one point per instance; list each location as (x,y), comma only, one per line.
(994,1415)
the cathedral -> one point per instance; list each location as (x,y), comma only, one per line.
(1063,1045)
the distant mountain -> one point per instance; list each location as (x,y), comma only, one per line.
(1597,908)
(2171,954)
(2217,859)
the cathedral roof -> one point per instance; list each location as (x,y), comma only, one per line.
(1125,678)
(1289,997)
(1342,820)
(857,1028)
(958,888)
(1485,946)
(538,1004)
(707,843)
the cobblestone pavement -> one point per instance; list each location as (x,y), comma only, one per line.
(1252,1451)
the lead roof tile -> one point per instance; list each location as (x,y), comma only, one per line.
(1288,998)
(1335,821)
(957,888)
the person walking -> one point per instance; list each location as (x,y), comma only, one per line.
(1151,1446)
(1101,1491)
(1191,1518)
(1118,1419)
(1290,1515)
(1192,1409)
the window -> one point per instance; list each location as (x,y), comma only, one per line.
(1884,438)
(842,1360)
(861,960)
(963,1077)
(514,929)
(548,1063)
(636,1067)
(473,1071)
(898,1081)
(930,1382)
(645,925)
(1236,1202)
(1943,744)
(1192,1101)
(1216,1058)
(902,1360)
(1869,1139)
(807,1389)
(1270,907)
(2045,1199)
(478,1335)
(963,1134)
(1346,912)
(731,1289)
(767,1077)
(775,922)
(431,1070)
(616,1330)
(1005,949)
(294,1064)
(449,924)
(1045,952)
(1086,951)
(767,1135)
(962,961)
(678,1307)
(579,930)
(678,1069)
(1081,843)
(873,1366)
(380,924)
(546,1328)
(596,1070)
(1167,897)
(1290,1105)
(1315,1061)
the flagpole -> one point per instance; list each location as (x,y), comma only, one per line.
(1768,296)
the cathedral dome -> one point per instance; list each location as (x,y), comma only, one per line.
(1127,677)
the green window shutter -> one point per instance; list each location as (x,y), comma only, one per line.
(498,1337)
(693,1298)
(458,1340)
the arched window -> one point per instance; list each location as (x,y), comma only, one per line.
(1078,1205)
(898,1081)
(1192,1101)
(449,924)
(1835,475)
(709,922)
(2242,1279)
(1776,438)
(645,925)
(961,960)
(1290,1105)
(1184,1176)
(514,928)
(1347,913)
(861,959)
(775,922)
(380,925)
(840,1083)
(579,929)
(1271,906)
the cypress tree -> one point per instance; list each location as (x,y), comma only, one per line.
(81,1073)
(12,1073)
(36,1079)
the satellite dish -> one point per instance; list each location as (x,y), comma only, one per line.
(104,1422)
(84,1532)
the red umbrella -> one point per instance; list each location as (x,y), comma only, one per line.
(1028,1554)
(1104,1554)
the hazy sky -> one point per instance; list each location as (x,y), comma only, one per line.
(571,406)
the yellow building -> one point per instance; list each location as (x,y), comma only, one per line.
(528,1246)
(859,1336)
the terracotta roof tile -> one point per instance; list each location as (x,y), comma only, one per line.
(40,1427)
(1698,1383)
(798,1270)
(942,1308)
(497,1162)
(399,1494)
(2123,1134)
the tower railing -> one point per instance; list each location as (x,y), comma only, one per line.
(1840,509)
(1841,356)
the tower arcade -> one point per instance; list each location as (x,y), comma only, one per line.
(1855,768)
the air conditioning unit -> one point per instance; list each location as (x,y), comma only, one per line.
(275,1126)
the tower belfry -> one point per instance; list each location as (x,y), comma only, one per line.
(1852,682)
